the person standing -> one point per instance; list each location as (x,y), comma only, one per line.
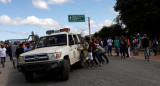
(105,44)
(19,51)
(135,42)
(127,47)
(28,47)
(13,48)
(155,43)
(116,45)
(145,45)
(101,42)
(9,50)
(3,55)
(110,41)
(123,46)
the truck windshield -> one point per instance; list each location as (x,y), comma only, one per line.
(54,40)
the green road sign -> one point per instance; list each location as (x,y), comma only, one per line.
(76,18)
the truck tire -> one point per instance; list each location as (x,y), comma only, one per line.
(81,62)
(65,70)
(29,76)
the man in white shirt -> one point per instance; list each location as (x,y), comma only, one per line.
(109,41)
(3,55)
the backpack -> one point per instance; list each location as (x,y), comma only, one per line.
(89,48)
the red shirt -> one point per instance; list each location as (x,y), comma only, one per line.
(94,48)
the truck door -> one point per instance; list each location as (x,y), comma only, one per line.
(76,46)
(72,49)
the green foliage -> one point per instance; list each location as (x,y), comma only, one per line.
(141,16)
(113,30)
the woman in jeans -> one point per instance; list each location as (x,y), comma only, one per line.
(3,55)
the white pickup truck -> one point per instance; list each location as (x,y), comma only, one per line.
(56,51)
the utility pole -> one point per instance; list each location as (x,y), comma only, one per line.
(89,27)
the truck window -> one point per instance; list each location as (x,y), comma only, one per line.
(80,38)
(70,40)
(75,39)
(54,40)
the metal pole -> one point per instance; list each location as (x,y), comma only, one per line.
(89,27)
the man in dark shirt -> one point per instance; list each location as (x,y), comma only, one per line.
(19,51)
(145,45)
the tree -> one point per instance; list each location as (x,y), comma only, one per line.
(113,30)
(139,16)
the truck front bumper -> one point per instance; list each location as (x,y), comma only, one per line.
(40,66)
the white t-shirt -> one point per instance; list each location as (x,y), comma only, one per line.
(109,41)
(2,52)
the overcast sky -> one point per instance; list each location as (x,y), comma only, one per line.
(19,17)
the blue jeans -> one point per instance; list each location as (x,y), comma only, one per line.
(3,59)
(105,56)
(117,50)
(146,52)
(96,54)
(135,51)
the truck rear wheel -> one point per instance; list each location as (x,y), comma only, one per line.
(65,70)
(29,77)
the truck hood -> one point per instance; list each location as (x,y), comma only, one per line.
(43,50)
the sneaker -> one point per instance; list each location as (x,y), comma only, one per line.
(88,67)
(100,64)
(107,62)
(148,59)
(92,67)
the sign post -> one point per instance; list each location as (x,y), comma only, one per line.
(76,18)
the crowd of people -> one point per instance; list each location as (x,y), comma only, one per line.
(92,48)
(124,45)
(14,50)
(95,49)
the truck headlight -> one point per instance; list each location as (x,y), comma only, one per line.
(51,56)
(21,59)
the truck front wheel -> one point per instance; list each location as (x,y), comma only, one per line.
(65,70)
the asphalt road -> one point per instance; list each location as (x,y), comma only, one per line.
(119,72)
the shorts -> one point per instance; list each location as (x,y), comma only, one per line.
(14,57)
(89,56)
(109,47)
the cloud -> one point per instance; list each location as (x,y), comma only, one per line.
(43,4)
(14,32)
(46,23)
(40,4)
(114,12)
(94,27)
(100,25)
(58,1)
(6,1)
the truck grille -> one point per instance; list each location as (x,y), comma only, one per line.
(39,57)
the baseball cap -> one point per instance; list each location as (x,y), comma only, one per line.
(27,42)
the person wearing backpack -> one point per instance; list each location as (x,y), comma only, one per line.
(95,52)
(88,53)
